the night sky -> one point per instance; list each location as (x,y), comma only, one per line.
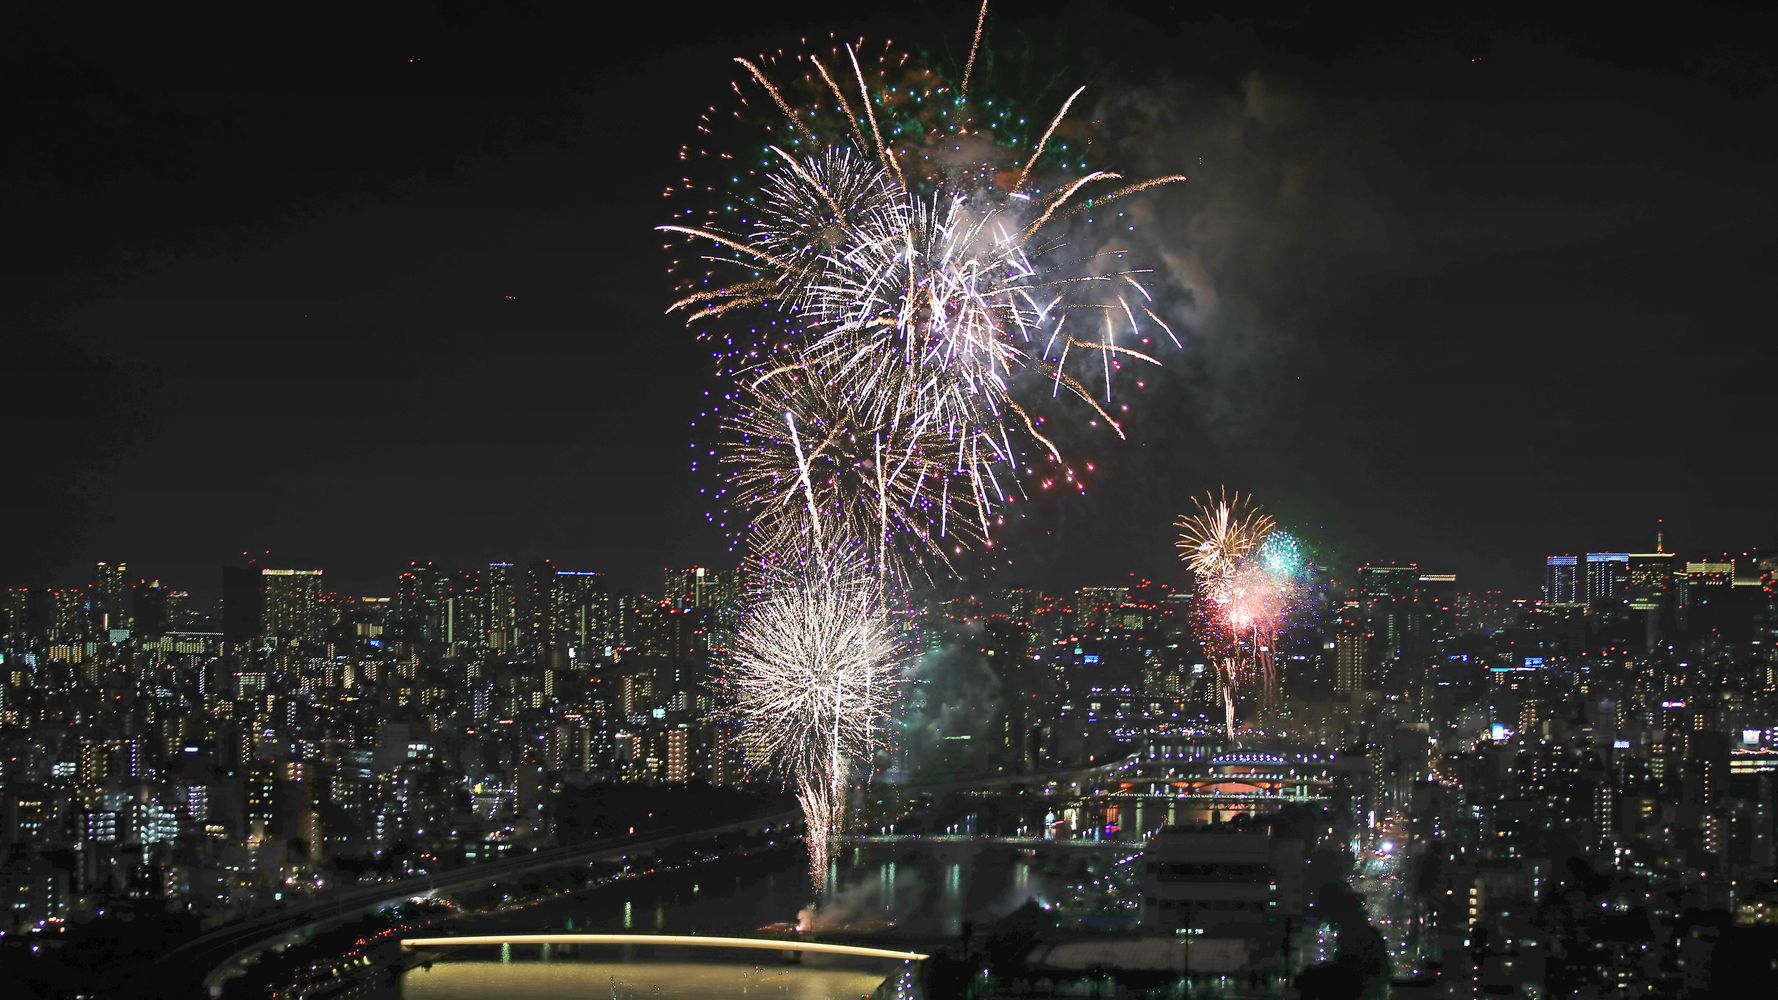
(364,291)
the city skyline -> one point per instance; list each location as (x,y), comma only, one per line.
(1531,581)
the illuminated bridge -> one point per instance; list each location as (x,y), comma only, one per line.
(669,941)
(1239,776)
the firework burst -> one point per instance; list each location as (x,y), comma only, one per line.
(1251,577)
(1219,532)
(887,484)
(814,671)
(904,248)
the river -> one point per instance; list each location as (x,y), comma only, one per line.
(912,894)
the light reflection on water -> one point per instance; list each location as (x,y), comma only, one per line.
(879,892)
(557,980)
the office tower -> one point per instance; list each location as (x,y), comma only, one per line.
(1651,580)
(1561,584)
(500,607)
(420,604)
(624,608)
(68,614)
(1387,596)
(1436,609)
(1703,597)
(1649,590)
(1351,653)
(1608,580)
(292,605)
(110,599)
(465,618)
(1700,585)
(534,601)
(18,619)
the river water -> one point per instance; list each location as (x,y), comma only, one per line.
(606,980)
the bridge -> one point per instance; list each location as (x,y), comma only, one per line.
(1035,843)
(1224,787)
(1240,776)
(668,941)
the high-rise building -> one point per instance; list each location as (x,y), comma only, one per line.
(678,755)
(292,605)
(1702,592)
(1608,580)
(1651,580)
(624,608)
(1649,588)
(1561,580)
(500,607)
(1436,609)
(1351,653)
(110,599)
(535,600)
(69,616)
(465,618)
(420,604)
(20,623)
(1387,598)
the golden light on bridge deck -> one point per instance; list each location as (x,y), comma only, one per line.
(668,941)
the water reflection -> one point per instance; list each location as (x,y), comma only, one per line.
(908,894)
(528,980)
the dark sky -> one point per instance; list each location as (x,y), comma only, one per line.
(363,288)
